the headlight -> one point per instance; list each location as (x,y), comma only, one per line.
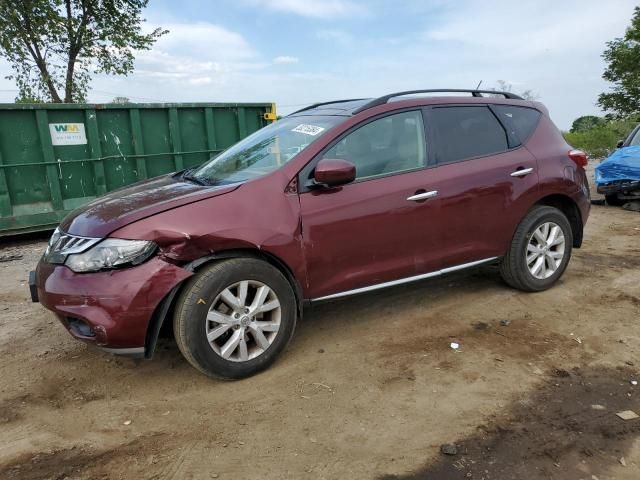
(111,253)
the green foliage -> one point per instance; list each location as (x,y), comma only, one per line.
(54,46)
(22,99)
(600,140)
(623,70)
(586,122)
(120,100)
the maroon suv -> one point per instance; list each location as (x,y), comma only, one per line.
(336,199)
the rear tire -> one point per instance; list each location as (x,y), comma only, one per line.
(540,250)
(613,200)
(235,317)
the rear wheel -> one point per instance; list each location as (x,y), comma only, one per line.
(540,250)
(614,200)
(235,317)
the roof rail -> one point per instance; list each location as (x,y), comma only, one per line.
(476,93)
(325,103)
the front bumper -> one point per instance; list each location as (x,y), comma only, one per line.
(111,309)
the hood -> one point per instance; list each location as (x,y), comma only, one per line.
(622,164)
(127,205)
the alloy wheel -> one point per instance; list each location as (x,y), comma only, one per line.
(243,321)
(545,250)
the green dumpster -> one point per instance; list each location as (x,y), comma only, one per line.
(56,157)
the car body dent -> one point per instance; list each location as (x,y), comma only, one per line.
(117,304)
(269,223)
(102,216)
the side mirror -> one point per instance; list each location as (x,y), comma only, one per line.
(620,144)
(333,172)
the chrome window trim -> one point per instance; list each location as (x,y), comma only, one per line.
(402,281)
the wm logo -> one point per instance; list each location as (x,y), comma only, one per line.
(67,128)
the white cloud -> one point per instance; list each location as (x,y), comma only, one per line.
(198,81)
(284,59)
(578,26)
(312,9)
(338,36)
(195,55)
(203,40)
(557,56)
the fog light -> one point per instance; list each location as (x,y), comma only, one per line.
(80,327)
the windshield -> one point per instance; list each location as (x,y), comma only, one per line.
(264,151)
(635,141)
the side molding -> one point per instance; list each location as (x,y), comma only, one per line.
(401,281)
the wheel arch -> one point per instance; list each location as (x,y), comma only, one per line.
(571,210)
(166,306)
(268,257)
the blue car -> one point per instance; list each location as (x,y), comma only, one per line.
(618,176)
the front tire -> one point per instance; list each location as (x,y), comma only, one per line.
(540,250)
(235,317)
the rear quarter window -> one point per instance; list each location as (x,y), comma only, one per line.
(466,132)
(522,121)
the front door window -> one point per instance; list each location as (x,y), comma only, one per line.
(386,146)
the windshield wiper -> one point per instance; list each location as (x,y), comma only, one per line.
(188,175)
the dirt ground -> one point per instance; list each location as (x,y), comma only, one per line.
(369,388)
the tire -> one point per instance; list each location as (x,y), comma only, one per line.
(520,262)
(204,312)
(613,200)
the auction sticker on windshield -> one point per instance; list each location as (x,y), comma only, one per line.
(308,129)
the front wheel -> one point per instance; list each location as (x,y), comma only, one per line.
(540,250)
(235,317)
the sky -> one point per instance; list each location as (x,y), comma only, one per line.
(297,52)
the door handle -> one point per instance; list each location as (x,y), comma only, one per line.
(522,172)
(423,196)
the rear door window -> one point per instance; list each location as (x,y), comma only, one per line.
(466,132)
(522,121)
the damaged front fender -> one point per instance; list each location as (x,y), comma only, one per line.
(260,218)
(255,216)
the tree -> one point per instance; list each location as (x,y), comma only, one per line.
(54,46)
(120,100)
(600,138)
(504,86)
(586,122)
(623,70)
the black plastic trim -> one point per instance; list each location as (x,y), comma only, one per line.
(33,289)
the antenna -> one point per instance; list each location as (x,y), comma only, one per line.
(479,83)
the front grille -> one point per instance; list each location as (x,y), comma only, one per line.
(62,244)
